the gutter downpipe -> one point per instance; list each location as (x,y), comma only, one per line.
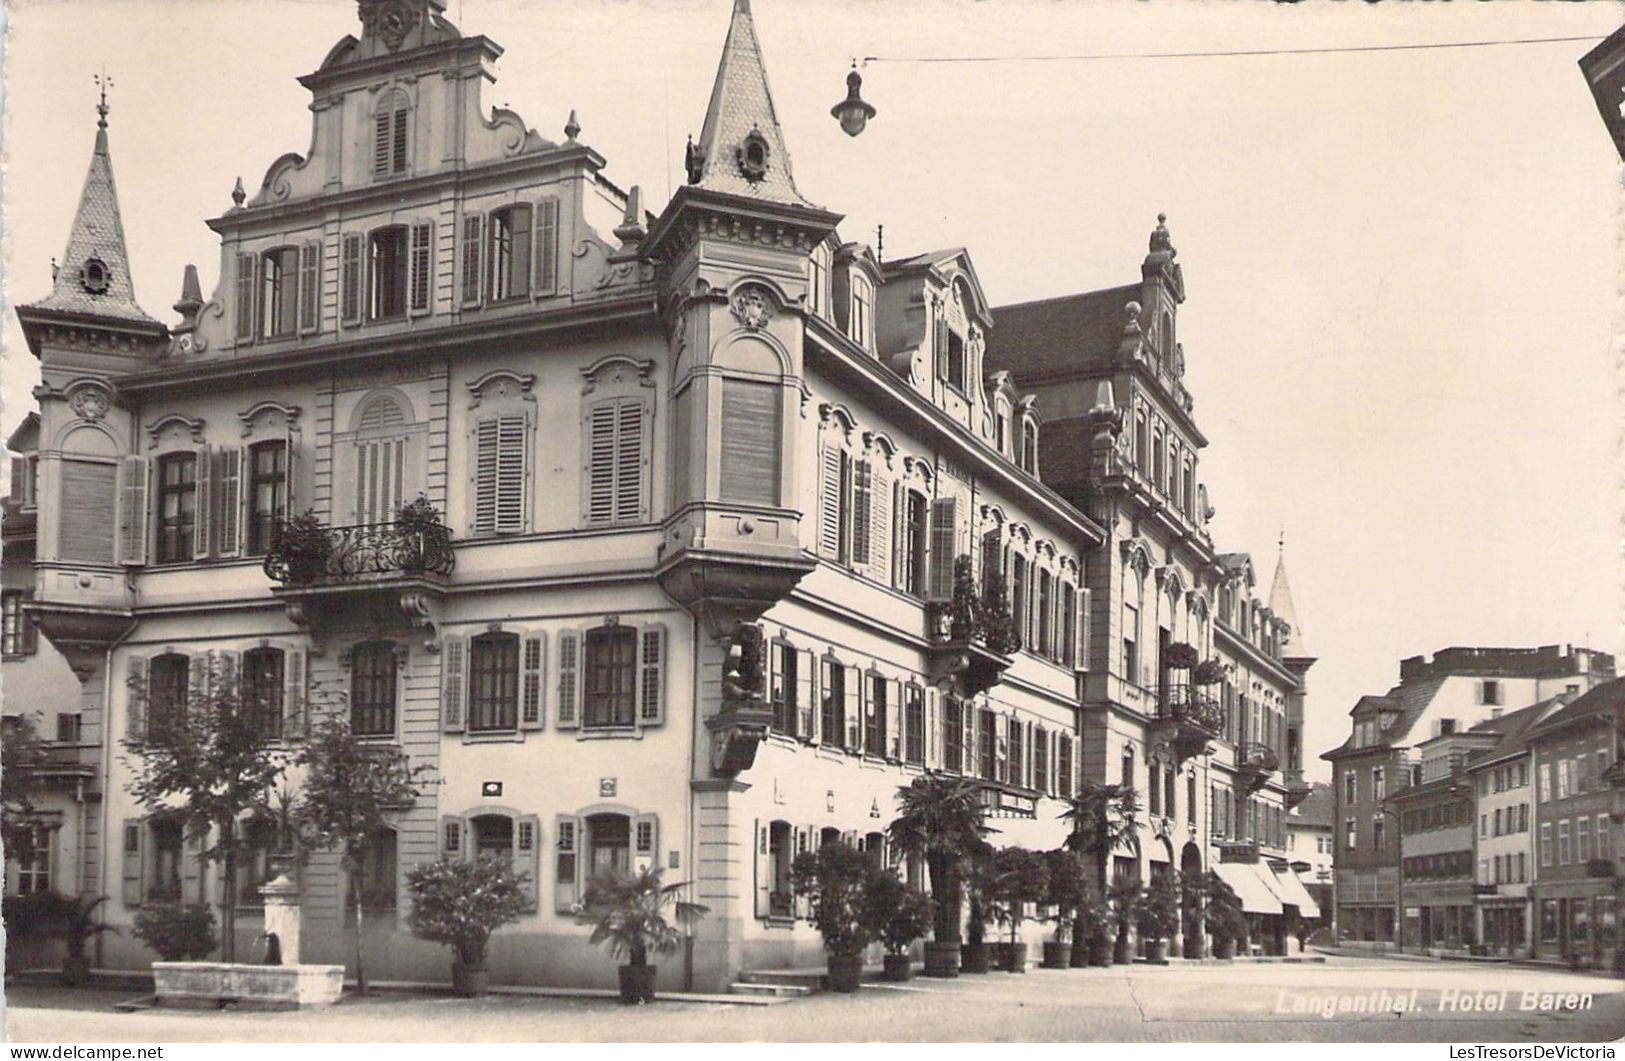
(106,771)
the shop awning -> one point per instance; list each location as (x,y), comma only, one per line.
(1294,893)
(1244,879)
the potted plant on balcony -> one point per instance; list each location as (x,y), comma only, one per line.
(1124,897)
(422,534)
(301,549)
(1157,917)
(1067,882)
(835,879)
(1180,655)
(942,822)
(627,913)
(998,626)
(1020,877)
(1208,672)
(460,904)
(897,915)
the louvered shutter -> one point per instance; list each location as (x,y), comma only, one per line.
(295,676)
(1081,630)
(646,842)
(527,856)
(510,471)
(533,666)
(471,260)
(862,503)
(547,246)
(134,474)
(933,736)
(829,502)
(245,298)
(350,278)
(1001,748)
(566,862)
(806,693)
(228,501)
(763,870)
(136,696)
(853,709)
(134,871)
(631,460)
(290,474)
(310,286)
(451,836)
(519,281)
(203,500)
(749,464)
(422,260)
(569,678)
(382,123)
(397,152)
(651,675)
(601,463)
(897,718)
(453,686)
(485,476)
(880,520)
(192,869)
(944,534)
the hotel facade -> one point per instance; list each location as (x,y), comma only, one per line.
(655,445)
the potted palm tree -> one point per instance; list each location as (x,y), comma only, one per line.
(835,879)
(940,820)
(1104,818)
(1020,877)
(977,954)
(627,913)
(1092,928)
(1157,917)
(1124,898)
(460,904)
(1066,883)
(897,915)
(78,925)
(1226,922)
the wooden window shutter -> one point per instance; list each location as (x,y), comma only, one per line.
(601,462)
(1083,628)
(806,693)
(763,869)
(229,501)
(547,246)
(829,502)
(896,719)
(652,675)
(569,671)
(853,709)
(485,476)
(192,869)
(245,297)
(527,856)
(451,836)
(382,148)
(933,739)
(134,480)
(471,260)
(295,676)
(203,512)
(135,722)
(520,262)
(350,278)
(511,451)
(452,683)
(310,287)
(944,535)
(880,519)
(533,666)
(750,445)
(134,871)
(422,265)
(631,460)
(398,143)
(863,478)
(566,862)
(646,841)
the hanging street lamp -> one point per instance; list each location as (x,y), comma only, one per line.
(852,112)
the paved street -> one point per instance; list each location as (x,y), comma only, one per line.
(1202,1003)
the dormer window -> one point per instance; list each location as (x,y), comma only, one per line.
(956,360)
(859,318)
(818,281)
(389,134)
(1029,447)
(94,276)
(752,156)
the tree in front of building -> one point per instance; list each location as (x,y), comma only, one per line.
(627,912)
(22,755)
(834,879)
(1157,916)
(210,760)
(942,821)
(460,903)
(353,789)
(1019,877)
(1104,818)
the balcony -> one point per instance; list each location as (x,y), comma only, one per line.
(970,639)
(1254,764)
(1187,719)
(1297,790)
(372,572)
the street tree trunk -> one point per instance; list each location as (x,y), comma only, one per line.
(228,890)
(360,933)
(945,890)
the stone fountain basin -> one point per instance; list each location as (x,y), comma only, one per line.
(209,984)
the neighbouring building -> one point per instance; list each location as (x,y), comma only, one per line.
(1309,840)
(1504,798)
(1576,754)
(660,449)
(1448,694)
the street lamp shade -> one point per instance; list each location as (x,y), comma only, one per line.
(1604,69)
(852,112)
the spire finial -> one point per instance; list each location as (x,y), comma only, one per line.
(1160,240)
(103,82)
(238,194)
(1281,543)
(572,128)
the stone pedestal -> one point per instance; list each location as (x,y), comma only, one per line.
(282,916)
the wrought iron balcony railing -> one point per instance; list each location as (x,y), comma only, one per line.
(1257,758)
(1189,705)
(302,554)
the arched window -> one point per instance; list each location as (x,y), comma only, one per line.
(391,120)
(372,689)
(1029,447)
(829,835)
(381,460)
(818,280)
(1166,336)
(1157,460)
(1142,444)
(262,690)
(860,314)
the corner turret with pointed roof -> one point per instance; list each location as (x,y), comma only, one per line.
(1281,604)
(92,287)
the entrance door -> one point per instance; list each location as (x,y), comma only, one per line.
(609,845)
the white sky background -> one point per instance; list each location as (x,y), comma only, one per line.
(1401,267)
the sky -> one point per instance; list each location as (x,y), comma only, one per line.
(1402,267)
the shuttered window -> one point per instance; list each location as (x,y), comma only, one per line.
(750,442)
(547,246)
(499,475)
(615,461)
(944,534)
(177,507)
(372,689)
(611,676)
(350,278)
(279,292)
(245,296)
(508,252)
(422,268)
(387,256)
(914,724)
(493,682)
(863,502)
(389,147)
(262,687)
(310,287)
(471,260)
(89,495)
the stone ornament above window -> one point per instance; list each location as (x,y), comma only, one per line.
(89,403)
(390,20)
(752,306)
(94,275)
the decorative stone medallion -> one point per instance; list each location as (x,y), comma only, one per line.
(89,403)
(752,307)
(390,20)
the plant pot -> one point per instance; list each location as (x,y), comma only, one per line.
(1224,949)
(76,970)
(1057,955)
(468,981)
(941,960)
(1194,947)
(1014,956)
(845,972)
(1156,951)
(637,983)
(1080,953)
(897,968)
(1100,952)
(973,958)
(1122,951)
(998,956)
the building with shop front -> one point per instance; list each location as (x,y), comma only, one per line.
(1504,798)
(1309,847)
(1576,754)
(1453,691)
(663,453)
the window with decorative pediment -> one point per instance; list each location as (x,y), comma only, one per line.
(502,424)
(617,441)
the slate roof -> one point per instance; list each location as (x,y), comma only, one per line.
(1514,730)
(1281,604)
(97,232)
(1056,336)
(1604,701)
(1411,700)
(1317,808)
